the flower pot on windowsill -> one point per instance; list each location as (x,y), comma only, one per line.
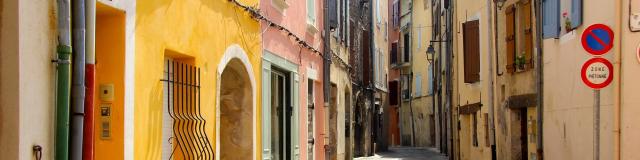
(567,25)
(520,63)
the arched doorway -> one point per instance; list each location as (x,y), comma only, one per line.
(236,107)
(236,113)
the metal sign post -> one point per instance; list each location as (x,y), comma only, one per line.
(597,72)
(596,124)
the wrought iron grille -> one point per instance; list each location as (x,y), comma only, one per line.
(188,139)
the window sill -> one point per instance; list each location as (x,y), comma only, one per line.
(280,5)
(311,28)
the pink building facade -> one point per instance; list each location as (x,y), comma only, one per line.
(293,113)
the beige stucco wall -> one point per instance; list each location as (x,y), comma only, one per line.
(630,73)
(340,77)
(568,112)
(422,102)
(28,78)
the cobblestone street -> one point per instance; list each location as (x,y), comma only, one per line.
(407,153)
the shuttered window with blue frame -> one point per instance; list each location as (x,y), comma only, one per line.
(576,13)
(551,18)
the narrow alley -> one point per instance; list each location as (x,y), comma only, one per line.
(319,79)
(407,153)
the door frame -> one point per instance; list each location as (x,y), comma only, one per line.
(269,61)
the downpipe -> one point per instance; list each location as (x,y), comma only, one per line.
(89,128)
(492,130)
(540,82)
(78,77)
(63,83)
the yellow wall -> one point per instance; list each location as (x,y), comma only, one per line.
(199,29)
(110,51)
(421,32)
(468,10)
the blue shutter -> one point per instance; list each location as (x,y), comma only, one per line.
(576,13)
(551,18)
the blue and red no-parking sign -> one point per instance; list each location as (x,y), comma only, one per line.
(597,39)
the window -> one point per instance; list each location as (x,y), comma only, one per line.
(576,13)
(311,12)
(407,48)
(393,93)
(551,18)
(181,89)
(394,53)
(418,82)
(406,95)
(379,18)
(377,66)
(519,59)
(527,38)
(419,38)
(474,129)
(396,14)
(430,80)
(471,51)
(310,118)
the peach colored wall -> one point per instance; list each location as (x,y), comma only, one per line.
(278,43)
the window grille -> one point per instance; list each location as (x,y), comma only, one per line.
(187,135)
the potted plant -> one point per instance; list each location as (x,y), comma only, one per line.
(520,61)
(567,22)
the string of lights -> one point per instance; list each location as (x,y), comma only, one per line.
(256,15)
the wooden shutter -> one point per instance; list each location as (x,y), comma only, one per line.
(393,93)
(471,37)
(525,18)
(394,53)
(510,38)
(366,56)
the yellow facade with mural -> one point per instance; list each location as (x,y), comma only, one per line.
(208,34)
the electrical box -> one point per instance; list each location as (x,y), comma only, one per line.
(105,121)
(106,92)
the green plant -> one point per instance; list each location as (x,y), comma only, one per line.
(521,61)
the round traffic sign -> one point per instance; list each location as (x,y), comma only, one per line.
(597,39)
(597,73)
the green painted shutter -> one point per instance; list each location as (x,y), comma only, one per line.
(266,110)
(296,105)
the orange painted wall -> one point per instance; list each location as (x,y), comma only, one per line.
(110,49)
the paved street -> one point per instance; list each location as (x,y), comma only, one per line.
(407,153)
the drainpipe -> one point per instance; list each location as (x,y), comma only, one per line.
(540,82)
(617,110)
(89,130)
(63,82)
(78,86)
(491,82)
(326,64)
(372,88)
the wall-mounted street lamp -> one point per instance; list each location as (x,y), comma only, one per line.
(430,52)
(499,3)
